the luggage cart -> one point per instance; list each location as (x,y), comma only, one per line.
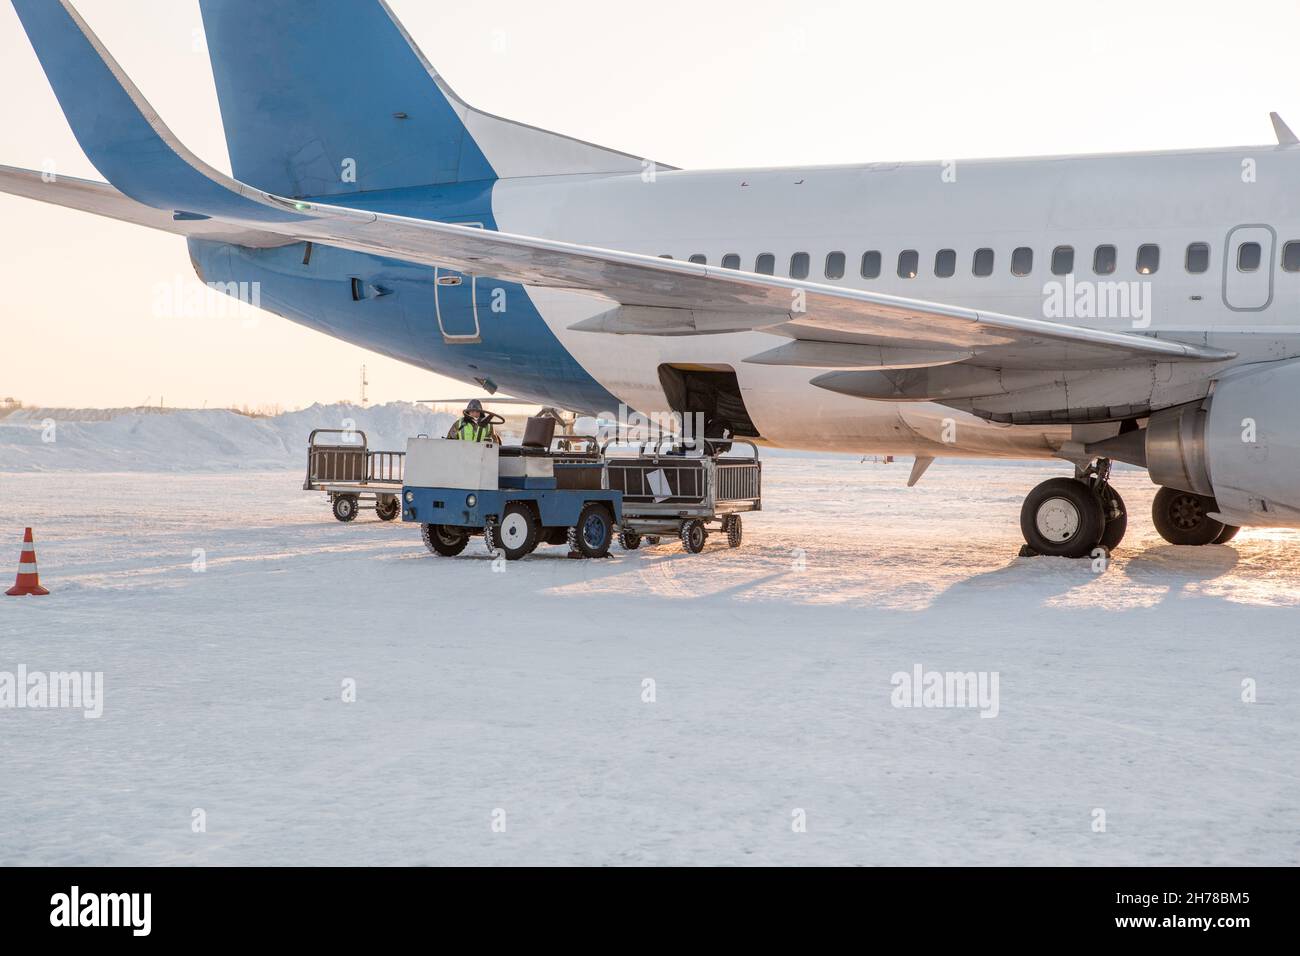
(668,491)
(349,472)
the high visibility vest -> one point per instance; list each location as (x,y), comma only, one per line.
(472,431)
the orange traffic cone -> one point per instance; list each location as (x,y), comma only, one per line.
(29,582)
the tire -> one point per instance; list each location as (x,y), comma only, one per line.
(1183,517)
(1116,520)
(1062,518)
(516,534)
(387,508)
(345,507)
(735,532)
(653,540)
(442,540)
(594,531)
(629,540)
(1229,532)
(694,534)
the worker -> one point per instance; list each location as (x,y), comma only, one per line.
(474,424)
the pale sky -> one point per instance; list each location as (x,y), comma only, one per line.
(694,84)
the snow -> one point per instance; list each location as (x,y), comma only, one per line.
(193,439)
(522,690)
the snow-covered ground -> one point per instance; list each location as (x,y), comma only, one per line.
(523,691)
(188,440)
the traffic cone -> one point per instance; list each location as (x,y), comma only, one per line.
(29,582)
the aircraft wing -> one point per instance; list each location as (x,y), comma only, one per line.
(103,200)
(857,334)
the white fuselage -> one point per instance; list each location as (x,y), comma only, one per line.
(1220,198)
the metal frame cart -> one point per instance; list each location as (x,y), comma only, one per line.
(666,490)
(349,472)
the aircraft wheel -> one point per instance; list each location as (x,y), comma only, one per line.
(1062,518)
(1183,517)
(1227,534)
(1116,516)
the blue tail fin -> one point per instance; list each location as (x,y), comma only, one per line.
(331,97)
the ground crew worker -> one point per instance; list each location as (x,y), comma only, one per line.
(474,424)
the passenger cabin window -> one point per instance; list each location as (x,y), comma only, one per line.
(765,264)
(1062,260)
(1022,261)
(799,263)
(982,264)
(1291,256)
(700,259)
(1148,260)
(909,261)
(731,261)
(1103,260)
(945,263)
(871,265)
(1248,257)
(1198,258)
(835,265)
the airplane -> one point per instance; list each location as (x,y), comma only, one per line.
(1091,309)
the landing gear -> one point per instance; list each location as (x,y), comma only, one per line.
(1069,517)
(1183,517)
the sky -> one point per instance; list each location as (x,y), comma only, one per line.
(697,85)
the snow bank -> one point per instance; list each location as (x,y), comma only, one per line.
(97,440)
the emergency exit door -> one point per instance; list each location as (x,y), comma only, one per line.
(1248,268)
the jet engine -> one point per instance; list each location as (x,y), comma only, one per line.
(1240,446)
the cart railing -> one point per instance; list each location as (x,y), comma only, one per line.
(657,479)
(350,461)
(742,481)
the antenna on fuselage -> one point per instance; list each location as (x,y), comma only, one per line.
(1284,135)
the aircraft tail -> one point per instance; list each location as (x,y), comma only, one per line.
(332,97)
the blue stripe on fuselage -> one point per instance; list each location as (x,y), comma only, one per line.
(516,350)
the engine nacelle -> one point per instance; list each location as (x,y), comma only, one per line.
(1241,445)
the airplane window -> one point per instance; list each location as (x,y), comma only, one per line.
(1022,261)
(835,265)
(731,261)
(765,265)
(1248,257)
(1291,256)
(908,263)
(1198,257)
(700,259)
(982,263)
(871,265)
(1062,260)
(799,263)
(945,263)
(1103,260)
(1148,260)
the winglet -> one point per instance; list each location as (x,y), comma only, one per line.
(1284,135)
(120,132)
